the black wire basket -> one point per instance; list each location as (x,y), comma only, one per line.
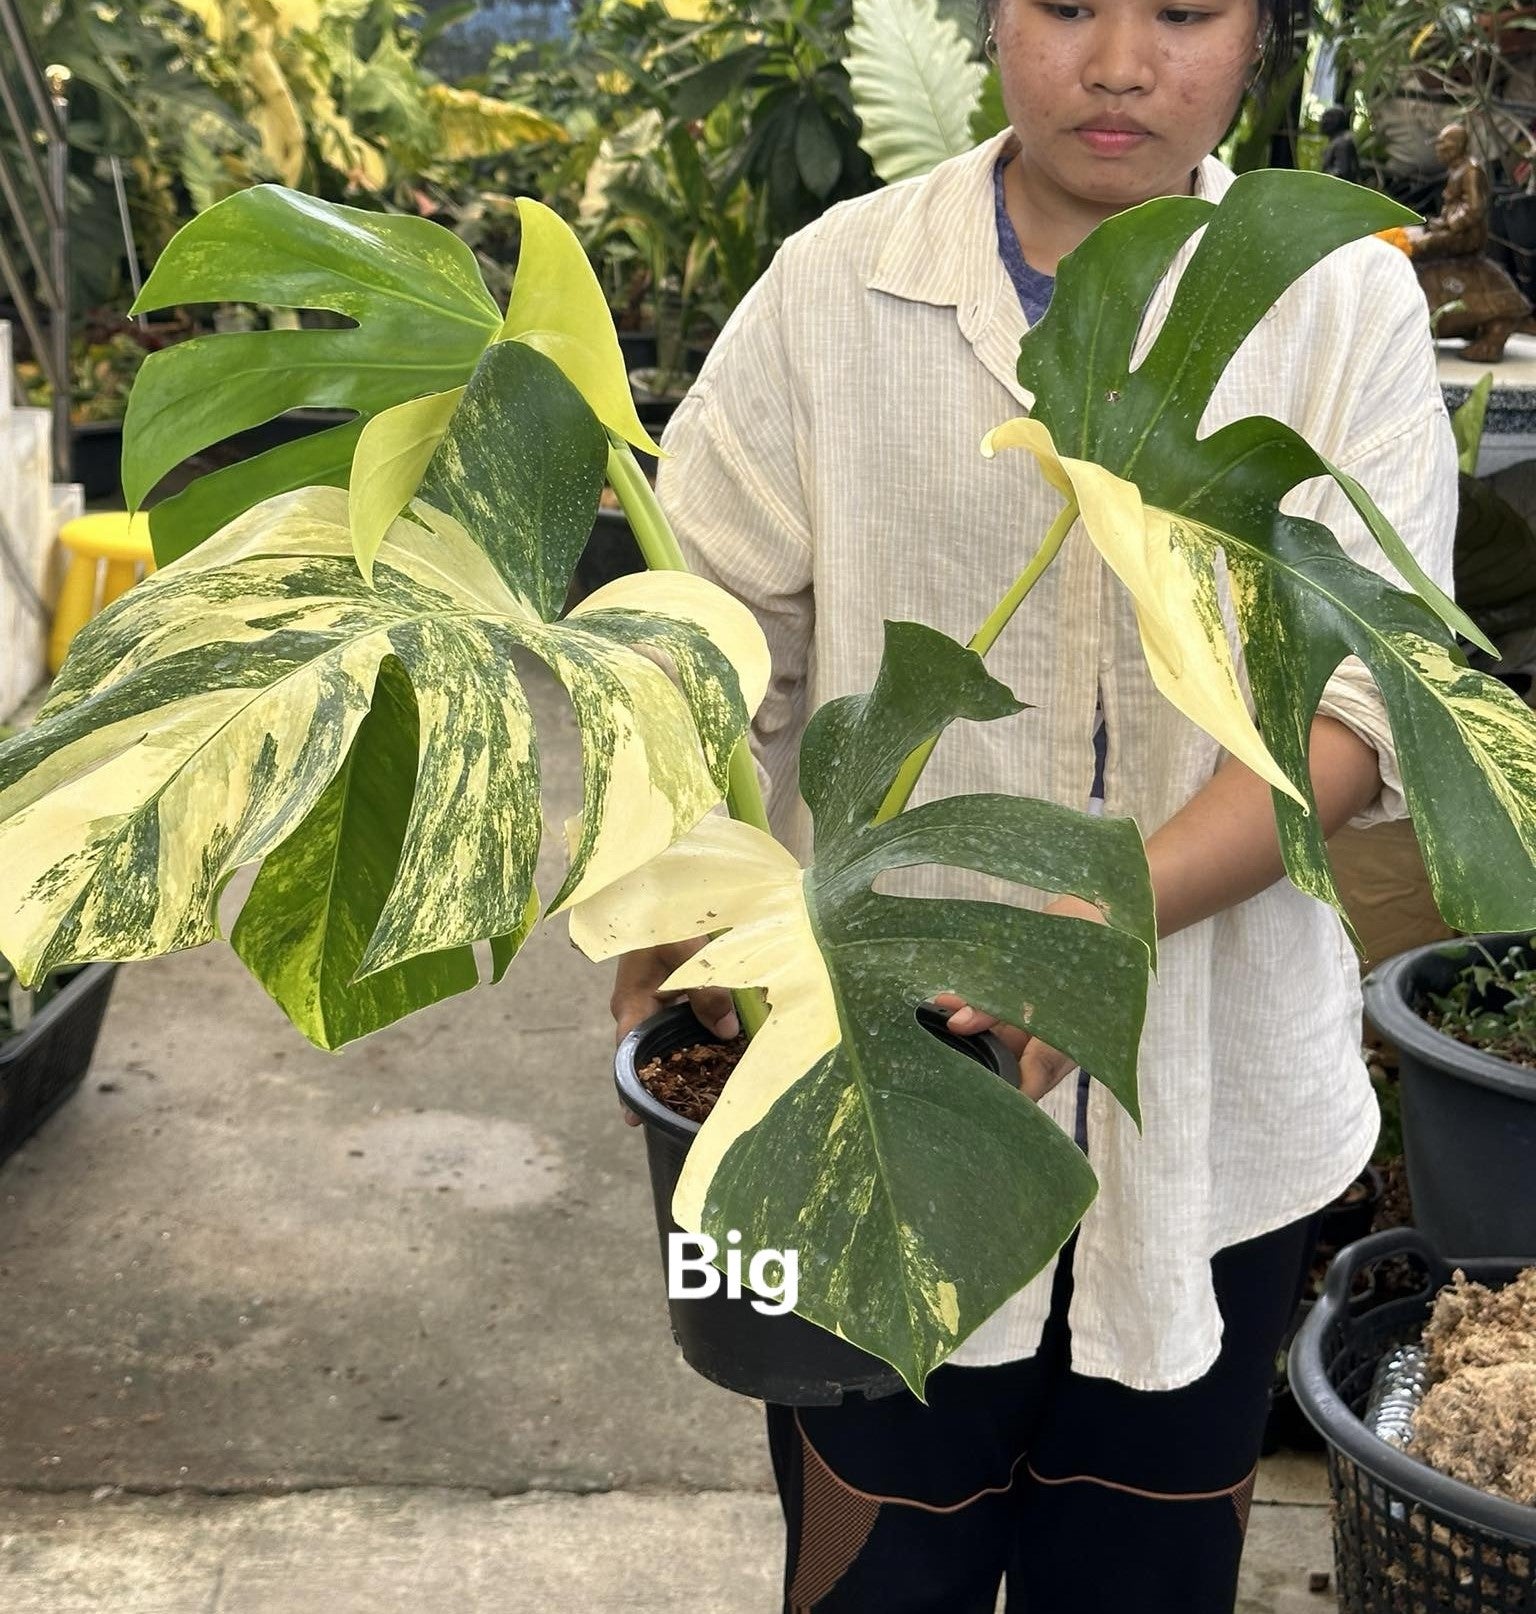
(1407,1539)
(43,1064)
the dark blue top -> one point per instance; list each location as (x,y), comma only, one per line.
(1034,288)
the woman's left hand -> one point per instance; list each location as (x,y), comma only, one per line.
(1041,1067)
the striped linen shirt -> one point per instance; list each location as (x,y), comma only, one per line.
(825,469)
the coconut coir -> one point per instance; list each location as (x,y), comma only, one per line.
(1477,1421)
(688,1080)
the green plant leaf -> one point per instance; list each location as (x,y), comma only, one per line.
(1467,748)
(915,86)
(816,149)
(392,455)
(323,459)
(199,721)
(844,1113)
(1467,423)
(558,307)
(422,315)
(318,897)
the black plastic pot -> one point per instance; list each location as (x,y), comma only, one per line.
(98,458)
(611,553)
(1469,1117)
(638,348)
(42,1065)
(784,1359)
(1407,1539)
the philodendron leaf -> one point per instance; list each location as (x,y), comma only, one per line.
(915,86)
(421,311)
(202,720)
(1466,745)
(921,1190)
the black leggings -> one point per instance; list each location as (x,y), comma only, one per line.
(1089,1497)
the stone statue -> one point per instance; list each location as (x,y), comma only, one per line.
(1342,158)
(1478,299)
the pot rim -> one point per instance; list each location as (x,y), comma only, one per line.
(1387,991)
(653,1113)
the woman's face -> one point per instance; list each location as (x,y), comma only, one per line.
(1115,101)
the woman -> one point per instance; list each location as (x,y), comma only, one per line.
(1096,1439)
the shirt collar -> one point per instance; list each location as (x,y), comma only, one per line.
(943,250)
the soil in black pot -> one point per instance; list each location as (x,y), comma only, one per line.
(689,1080)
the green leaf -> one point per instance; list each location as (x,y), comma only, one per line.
(392,456)
(817,152)
(323,459)
(920,1190)
(915,86)
(319,896)
(1466,744)
(697,92)
(199,721)
(1467,423)
(558,307)
(422,315)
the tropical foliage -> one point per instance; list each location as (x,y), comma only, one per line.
(372,729)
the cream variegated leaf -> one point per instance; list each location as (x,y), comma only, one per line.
(1465,744)
(203,721)
(1168,567)
(844,1113)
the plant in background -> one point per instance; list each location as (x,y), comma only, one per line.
(1492,1003)
(919,90)
(1417,64)
(374,729)
(337,97)
(104,363)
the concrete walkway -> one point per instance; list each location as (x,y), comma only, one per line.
(288,1331)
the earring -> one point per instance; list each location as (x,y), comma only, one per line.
(989,47)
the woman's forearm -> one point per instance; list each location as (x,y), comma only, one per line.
(1222,847)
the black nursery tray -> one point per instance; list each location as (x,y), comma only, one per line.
(42,1065)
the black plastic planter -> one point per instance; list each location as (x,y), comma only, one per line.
(1469,1117)
(784,1359)
(42,1065)
(1407,1539)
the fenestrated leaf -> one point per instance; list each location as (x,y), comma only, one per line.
(422,320)
(423,317)
(1466,746)
(920,1190)
(915,86)
(200,719)
(313,906)
(323,459)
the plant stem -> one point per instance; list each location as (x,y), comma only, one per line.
(981,642)
(662,553)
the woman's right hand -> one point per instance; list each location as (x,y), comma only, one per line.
(637,995)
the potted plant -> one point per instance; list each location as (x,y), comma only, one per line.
(1463,1015)
(339,667)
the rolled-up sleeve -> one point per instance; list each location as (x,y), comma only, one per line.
(1403,452)
(730,485)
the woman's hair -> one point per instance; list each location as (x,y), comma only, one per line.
(1279,18)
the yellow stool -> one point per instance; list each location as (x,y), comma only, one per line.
(112,536)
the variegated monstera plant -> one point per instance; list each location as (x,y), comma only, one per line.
(323,681)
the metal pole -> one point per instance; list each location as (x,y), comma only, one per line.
(135,278)
(58,243)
